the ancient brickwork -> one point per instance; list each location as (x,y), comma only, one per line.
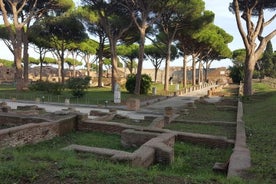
(30,133)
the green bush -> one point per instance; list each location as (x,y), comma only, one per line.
(78,85)
(50,87)
(146,83)
(236,73)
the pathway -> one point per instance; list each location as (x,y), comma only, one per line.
(154,109)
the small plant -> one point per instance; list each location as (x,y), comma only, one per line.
(146,83)
(78,85)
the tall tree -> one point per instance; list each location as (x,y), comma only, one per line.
(94,27)
(115,21)
(266,62)
(252,31)
(187,43)
(41,45)
(237,70)
(61,31)
(157,53)
(88,48)
(17,17)
(177,16)
(144,14)
(213,43)
(129,53)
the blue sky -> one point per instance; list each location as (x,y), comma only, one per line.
(223,18)
(226,20)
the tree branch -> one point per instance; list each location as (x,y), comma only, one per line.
(270,20)
(239,24)
(260,24)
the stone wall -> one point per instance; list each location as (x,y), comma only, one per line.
(240,159)
(210,140)
(155,150)
(131,137)
(35,132)
(17,120)
(102,126)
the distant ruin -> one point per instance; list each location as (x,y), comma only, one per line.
(50,74)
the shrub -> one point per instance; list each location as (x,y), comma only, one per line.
(50,87)
(78,85)
(145,83)
(236,73)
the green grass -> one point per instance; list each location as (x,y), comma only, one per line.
(94,95)
(261,130)
(208,112)
(46,163)
(135,122)
(219,130)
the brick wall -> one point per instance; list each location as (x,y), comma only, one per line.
(36,132)
(16,120)
(102,126)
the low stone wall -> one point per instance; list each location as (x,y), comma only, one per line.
(102,126)
(156,150)
(210,140)
(158,122)
(135,138)
(240,159)
(36,132)
(16,120)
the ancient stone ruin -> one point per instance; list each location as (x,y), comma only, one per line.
(153,144)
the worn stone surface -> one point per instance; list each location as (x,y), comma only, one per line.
(24,132)
(133,104)
(240,159)
(143,157)
(158,123)
(134,138)
(210,140)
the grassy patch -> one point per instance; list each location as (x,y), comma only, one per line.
(136,122)
(208,112)
(46,163)
(261,130)
(5,126)
(219,130)
(93,95)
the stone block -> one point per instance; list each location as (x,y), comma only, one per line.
(164,154)
(143,157)
(133,138)
(168,111)
(133,104)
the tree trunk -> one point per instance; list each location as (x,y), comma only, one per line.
(167,66)
(100,56)
(41,66)
(26,57)
(185,57)
(140,60)
(18,60)
(155,74)
(131,66)
(62,65)
(62,70)
(114,63)
(59,70)
(194,70)
(206,72)
(199,72)
(248,74)
(88,66)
